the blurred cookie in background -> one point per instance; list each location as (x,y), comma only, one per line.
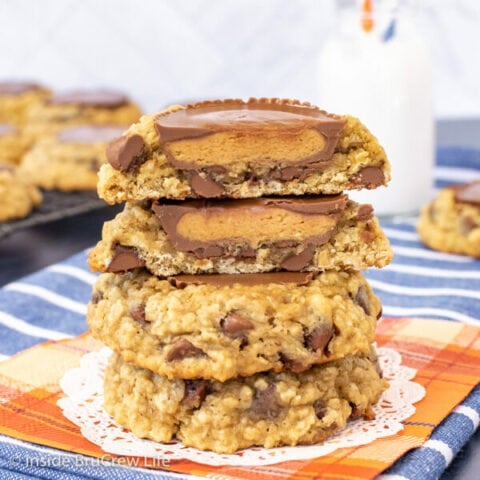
(13,144)
(81,107)
(17,98)
(451,222)
(69,159)
(19,197)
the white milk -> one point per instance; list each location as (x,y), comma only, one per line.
(388,85)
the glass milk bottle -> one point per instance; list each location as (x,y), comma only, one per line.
(377,67)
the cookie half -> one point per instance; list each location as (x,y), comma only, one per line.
(237,149)
(243,236)
(268,410)
(224,326)
(451,223)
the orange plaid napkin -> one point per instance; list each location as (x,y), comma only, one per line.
(446,355)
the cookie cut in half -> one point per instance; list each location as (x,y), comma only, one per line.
(238,149)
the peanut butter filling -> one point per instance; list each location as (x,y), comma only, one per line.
(216,228)
(254,226)
(222,149)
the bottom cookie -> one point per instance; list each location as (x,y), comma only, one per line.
(269,410)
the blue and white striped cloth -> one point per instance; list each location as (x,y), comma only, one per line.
(51,304)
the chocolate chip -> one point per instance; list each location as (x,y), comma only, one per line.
(369,414)
(195,393)
(138,313)
(205,187)
(317,340)
(320,408)
(264,403)
(369,177)
(234,325)
(356,411)
(182,349)
(361,299)
(126,152)
(124,258)
(96,297)
(380,313)
(467,224)
(297,262)
(295,366)
(364,212)
(367,235)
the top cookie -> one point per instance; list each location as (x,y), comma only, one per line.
(237,149)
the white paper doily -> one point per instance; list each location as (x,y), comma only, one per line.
(83,405)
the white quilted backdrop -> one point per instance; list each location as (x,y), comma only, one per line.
(164,51)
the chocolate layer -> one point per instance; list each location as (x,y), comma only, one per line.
(90,133)
(90,98)
(257,117)
(242,219)
(254,116)
(7,129)
(224,280)
(17,88)
(468,193)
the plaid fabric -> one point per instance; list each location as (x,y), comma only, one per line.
(50,305)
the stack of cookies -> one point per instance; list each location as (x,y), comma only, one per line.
(231,290)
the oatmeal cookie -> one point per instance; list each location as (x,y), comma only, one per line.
(83,107)
(237,149)
(223,326)
(451,223)
(243,236)
(268,410)
(69,159)
(17,99)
